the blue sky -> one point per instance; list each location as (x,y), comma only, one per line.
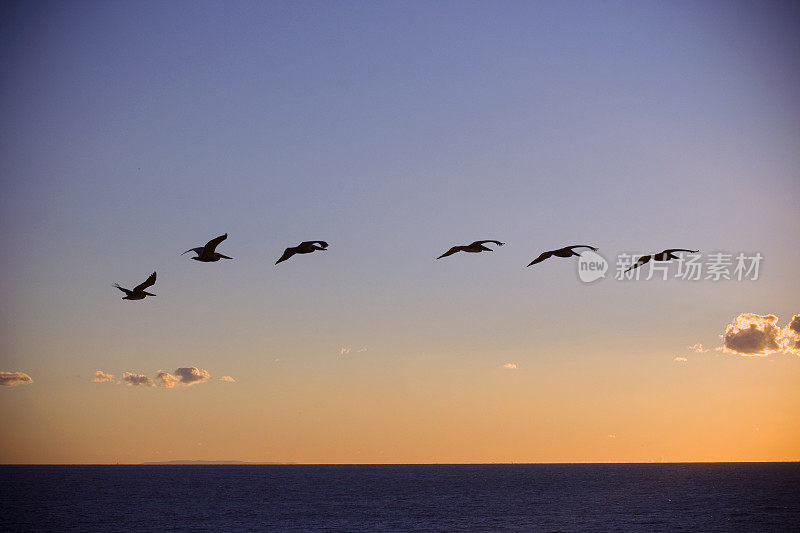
(133,131)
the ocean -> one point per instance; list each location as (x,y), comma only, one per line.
(759,497)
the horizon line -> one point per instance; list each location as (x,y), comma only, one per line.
(277,463)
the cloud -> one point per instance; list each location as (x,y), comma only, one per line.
(344,351)
(792,336)
(510,366)
(611,436)
(698,348)
(794,325)
(136,379)
(751,334)
(12,379)
(192,375)
(187,376)
(102,377)
(681,359)
(227,379)
(361,350)
(167,379)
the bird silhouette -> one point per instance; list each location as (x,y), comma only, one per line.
(206,254)
(666,255)
(138,292)
(305,247)
(567,251)
(475,247)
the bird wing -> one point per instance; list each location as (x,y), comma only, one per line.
(198,251)
(451,251)
(126,291)
(542,257)
(212,244)
(149,281)
(678,250)
(479,243)
(642,260)
(289,252)
(580,246)
(321,243)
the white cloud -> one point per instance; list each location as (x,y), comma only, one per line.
(611,436)
(680,359)
(102,377)
(187,376)
(510,366)
(344,351)
(167,379)
(698,348)
(227,379)
(751,334)
(192,375)
(136,379)
(12,379)
(792,336)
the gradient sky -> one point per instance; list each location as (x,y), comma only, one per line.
(130,132)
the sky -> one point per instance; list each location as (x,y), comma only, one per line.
(132,131)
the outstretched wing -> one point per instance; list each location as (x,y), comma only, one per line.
(321,243)
(580,246)
(679,250)
(149,281)
(289,252)
(642,260)
(212,244)
(542,257)
(451,251)
(479,243)
(126,291)
(198,251)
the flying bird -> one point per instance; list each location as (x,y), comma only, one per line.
(138,292)
(475,247)
(567,251)
(206,254)
(305,247)
(666,255)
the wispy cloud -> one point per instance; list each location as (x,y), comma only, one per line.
(344,351)
(227,379)
(102,377)
(611,436)
(12,379)
(751,334)
(698,348)
(680,359)
(510,366)
(136,379)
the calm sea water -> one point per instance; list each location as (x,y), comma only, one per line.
(658,497)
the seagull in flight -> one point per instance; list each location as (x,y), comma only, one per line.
(477,246)
(305,247)
(206,254)
(567,251)
(666,255)
(138,292)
